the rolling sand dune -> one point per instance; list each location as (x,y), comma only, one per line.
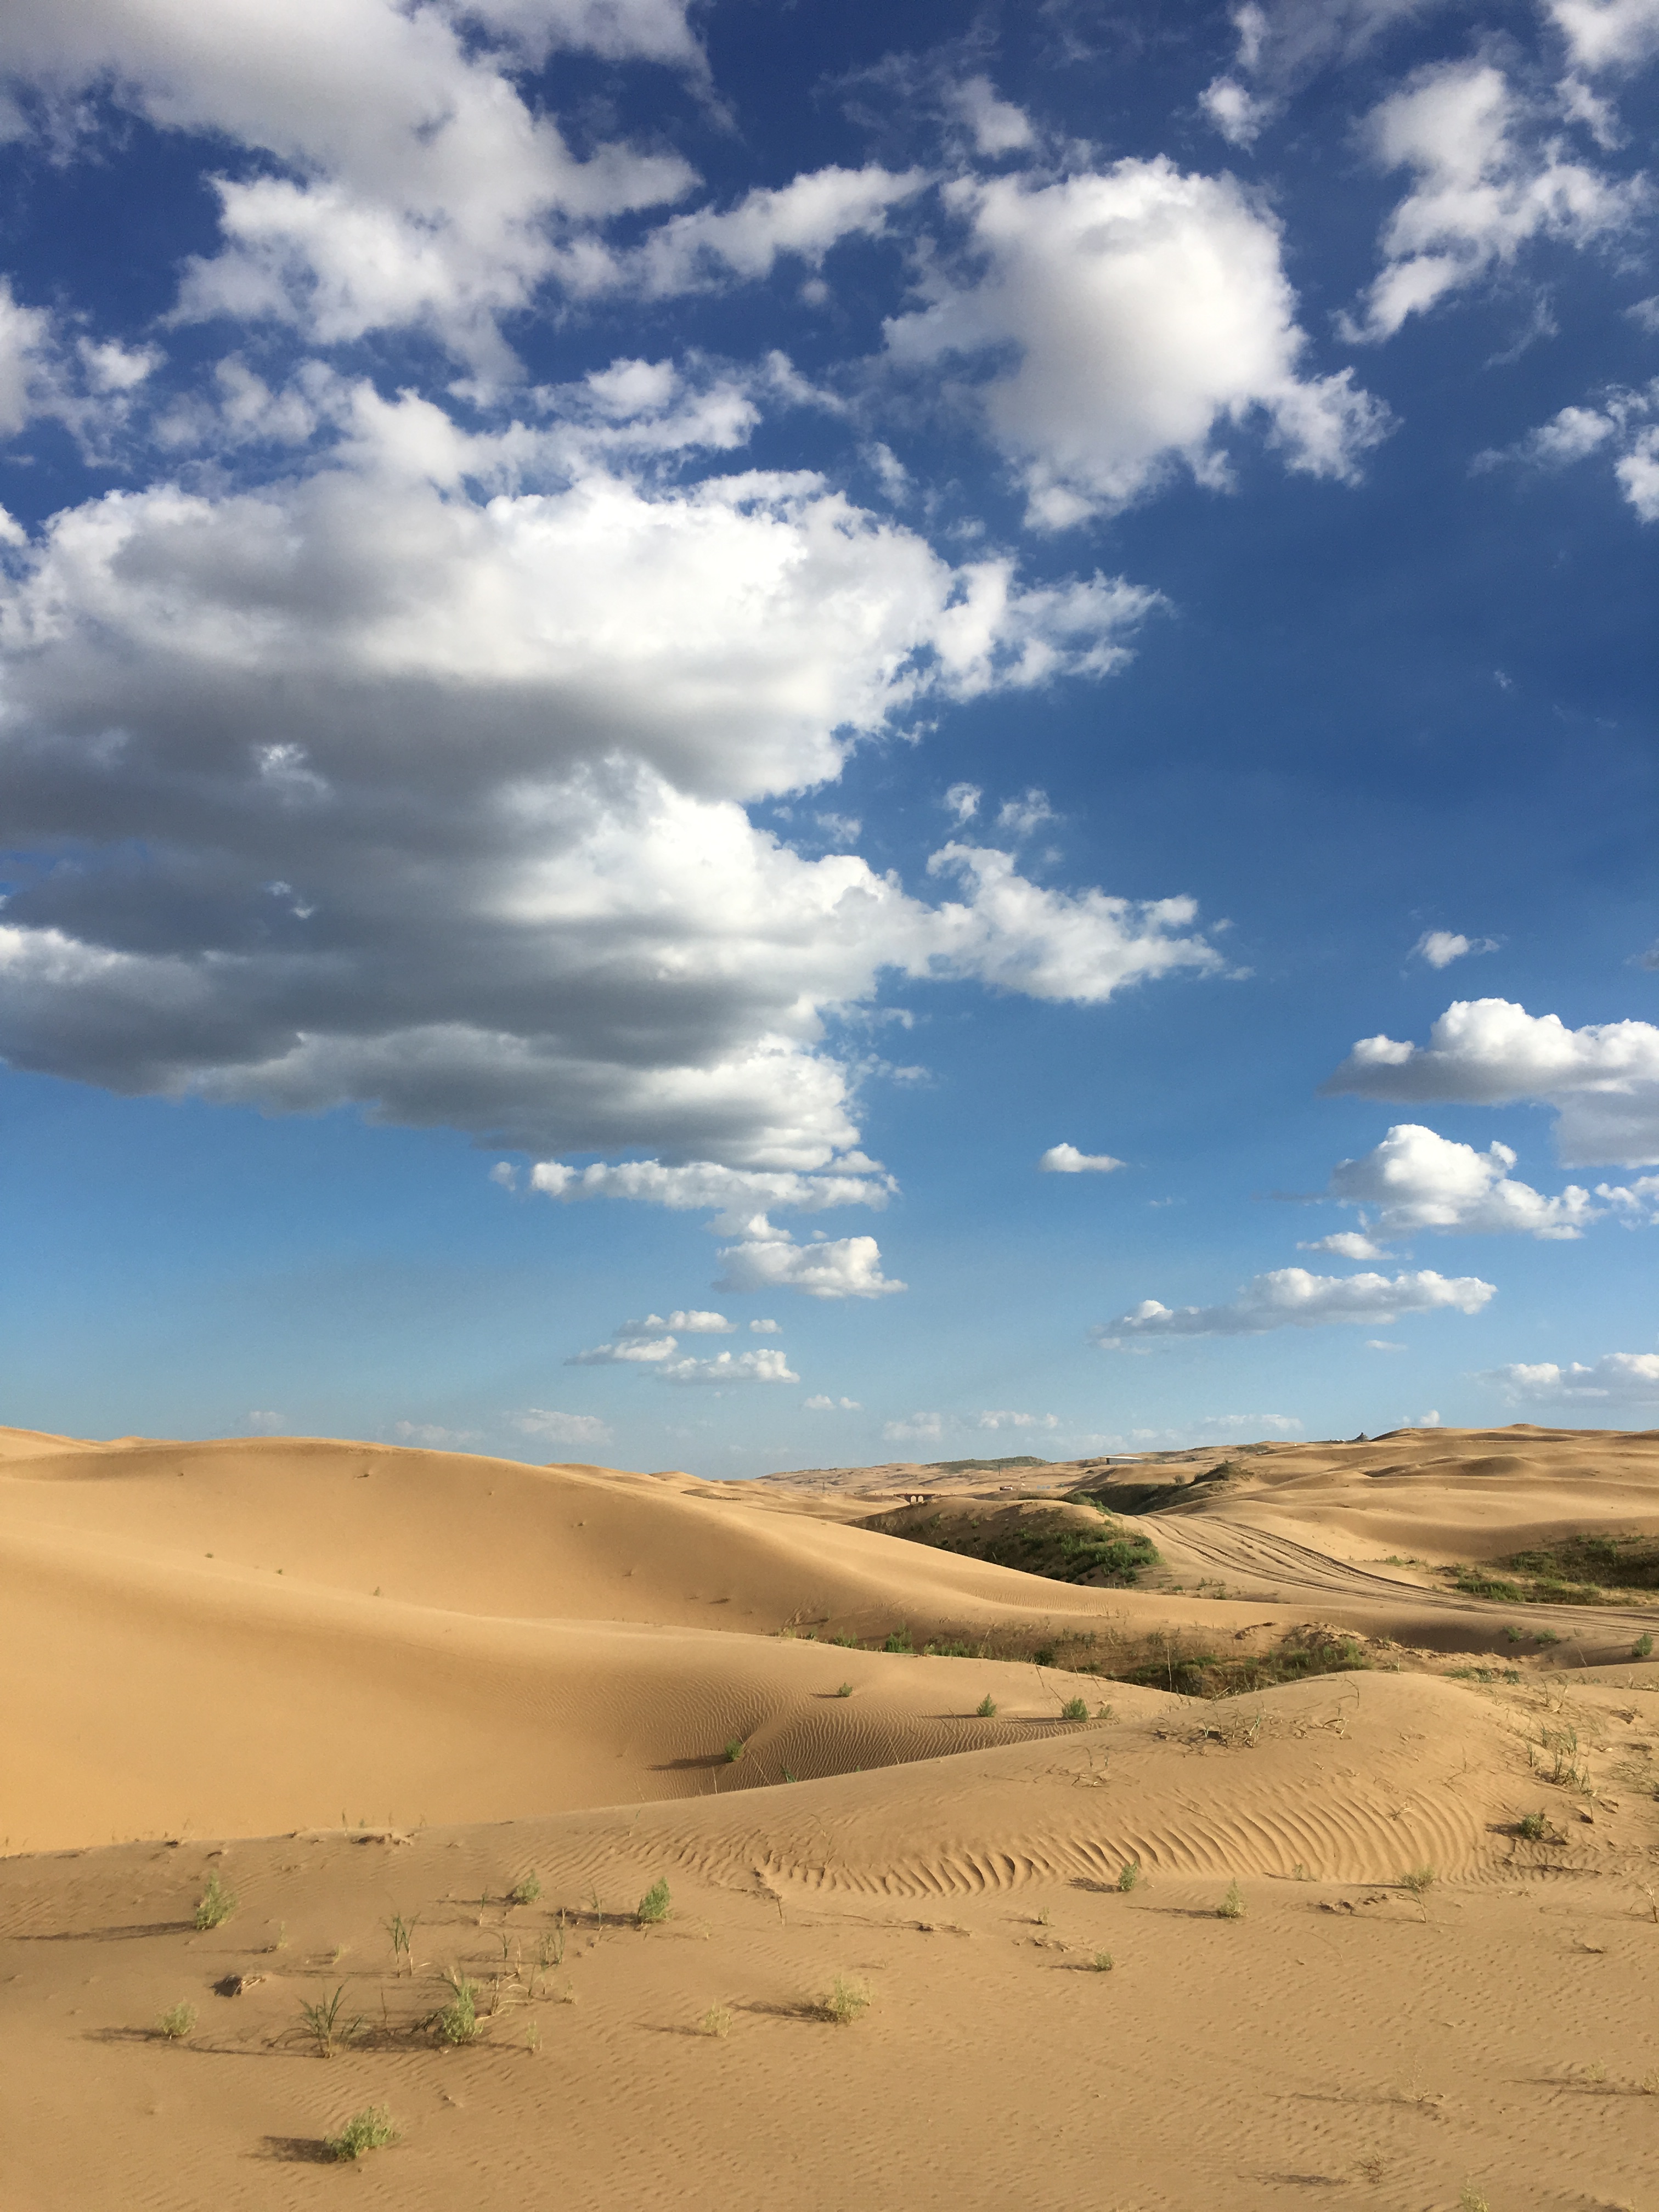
(467,1672)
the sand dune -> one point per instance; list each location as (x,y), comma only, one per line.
(421,1677)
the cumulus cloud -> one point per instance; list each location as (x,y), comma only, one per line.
(421,187)
(735,1195)
(1291,1297)
(653,1341)
(1066,1159)
(1608,34)
(1144,311)
(496,744)
(916,1429)
(822,1405)
(556,1428)
(1602,1081)
(769,1258)
(1419,1179)
(1620,427)
(1003,1420)
(1487,179)
(1440,947)
(708,248)
(1282,46)
(1627,1377)
(430,1436)
(731,1367)
(1345,1244)
(1018,817)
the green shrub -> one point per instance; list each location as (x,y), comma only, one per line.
(370,2129)
(1101,1963)
(734,1750)
(1642,1647)
(322,2021)
(1533,1826)
(1074,1709)
(1129,1874)
(215,1904)
(717,2021)
(845,1690)
(457,2021)
(178,2022)
(1232,1906)
(654,1907)
(899,1640)
(526,1892)
(986,1707)
(848,1998)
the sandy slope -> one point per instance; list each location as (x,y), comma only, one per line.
(497,1669)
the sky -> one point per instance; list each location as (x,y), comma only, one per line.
(749,736)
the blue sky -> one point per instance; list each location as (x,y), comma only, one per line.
(748,736)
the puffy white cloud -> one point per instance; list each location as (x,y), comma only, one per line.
(1345,1244)
(494,744)
(26,341)
(625,1351)
(1486,181)
(763,1366)
(707,248)
(962,801)
(1018,817)
(917,1428)
(1066,1159)
(1636,1205)
(765,1328)
(822,1405)
(1419,1179)
(1003,1420)
(1608,34)
(996,126)
(769,1258)
(1291,1297)
(1602,1081)
(735,1195)
(556,1428)
(1440,947)
(422,187)
(1620,427)
(1631,1377)
(1145,309)
(1284,43)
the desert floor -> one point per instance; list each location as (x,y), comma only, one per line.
(350,1684)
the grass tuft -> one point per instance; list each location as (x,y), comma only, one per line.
(457,2021)
(986,1707)
(717,2021)
(734,1750)
(1101,1963)
(215,1904)
(178,2022)
(1129,1875)
(848,1998)
(1419,1880)
(1232,1906)
(1074,1709)
(526,1892)
(322,2023)
(654,1907)
(845,1690)
(370,2129)
(1535,1827)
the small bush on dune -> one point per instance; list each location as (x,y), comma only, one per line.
(216,1904)
(845,1690)
(178,2022)
(654,1907)
(370,2129)
(322,2021)
(734,1750)
(986,1707)
(717,2021)
(457,2021)
(1232,1906)
(1074,1709)
(1101,1963)
(848,1998)
(1129,1874)
(1419,1880)
(526,1892)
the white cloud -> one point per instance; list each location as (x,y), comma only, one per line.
(822,1405)
(1486,181)
(769,1258)
(499,742)
(556,1428)
(1440,947)
(961,800)
(1636,1205)
(1381,1344)
(1419,1179)
(429,1437)
(706,249)
(996,126)
(626,1351)
(1066,1159)
(1602,1081)
(1429,1420)
(1345,1244)
(765,1328)
(264,1421)
(736,1194)
(1620,427)
(1291,1297)
(1019,817)
(917,1428)
(1631,1378)
(1284,43)
(764,1366)
(423,188)
(1145,309)
(1003,1420)
(1608,34)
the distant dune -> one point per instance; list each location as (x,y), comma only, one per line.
(422,1677)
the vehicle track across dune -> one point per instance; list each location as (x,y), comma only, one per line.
(1257,1562)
